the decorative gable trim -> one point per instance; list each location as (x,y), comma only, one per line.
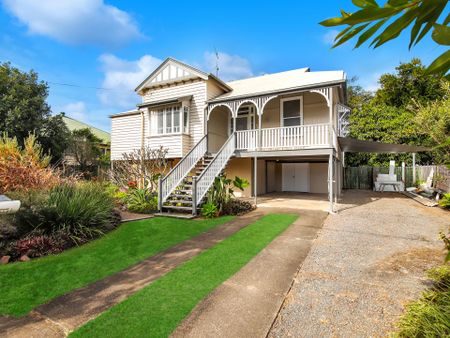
(171,71)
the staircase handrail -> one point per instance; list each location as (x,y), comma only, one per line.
(169,182)
(203,182)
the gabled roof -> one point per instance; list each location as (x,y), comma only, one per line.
(279,82)
(73,124)
(171,71)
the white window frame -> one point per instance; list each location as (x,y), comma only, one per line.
(249,116)
(165,112)
(292,98)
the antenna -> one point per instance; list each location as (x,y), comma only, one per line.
(217,61)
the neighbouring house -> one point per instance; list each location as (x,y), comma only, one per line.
(279,131)
(69,160)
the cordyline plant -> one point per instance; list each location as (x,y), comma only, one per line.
(422,15)
(24,168)
(141,165)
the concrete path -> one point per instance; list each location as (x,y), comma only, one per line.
(68,312)
(247,303)
(366,264)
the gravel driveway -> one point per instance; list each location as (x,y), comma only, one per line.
(366,264)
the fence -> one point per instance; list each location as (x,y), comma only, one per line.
(364,177)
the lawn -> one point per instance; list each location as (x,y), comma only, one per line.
(157,310)
(29,284)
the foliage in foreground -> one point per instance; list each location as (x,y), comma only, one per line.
(36,282)
(445,201)
(157,310)
(422,15)
(430,315)
(51,221)
(220,197)
(141,201)
(24,168)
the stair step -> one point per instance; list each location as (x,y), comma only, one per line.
(181,195)
(183,190)
(175,215)
(178,201)
(176,207)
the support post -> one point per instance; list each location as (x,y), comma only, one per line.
(194,196)
(259,131)
(160,193)
(330,183)
(255,180)
(403,175)
(414,169)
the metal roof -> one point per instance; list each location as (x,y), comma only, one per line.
(352,145)
(73,124)
(280,82)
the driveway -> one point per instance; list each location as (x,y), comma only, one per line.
(366,264)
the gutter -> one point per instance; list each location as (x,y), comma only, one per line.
(283,91)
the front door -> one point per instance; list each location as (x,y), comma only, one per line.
(245,119)
(295,177)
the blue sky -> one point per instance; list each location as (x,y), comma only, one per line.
(103,48)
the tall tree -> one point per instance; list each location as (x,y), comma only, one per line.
(389,116)
(398,15)
(24,110)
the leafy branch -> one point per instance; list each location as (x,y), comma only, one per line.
(422,15)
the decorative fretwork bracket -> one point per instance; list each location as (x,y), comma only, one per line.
(326,93)
(343,119)
(259,102)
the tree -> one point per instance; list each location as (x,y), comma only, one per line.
(23,110)
(84,148)
(433,120)
(422,15)
(389,114)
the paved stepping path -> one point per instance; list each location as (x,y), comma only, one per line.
(66,313)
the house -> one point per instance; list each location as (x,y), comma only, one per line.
(71,163)
(279,131)
(105,137)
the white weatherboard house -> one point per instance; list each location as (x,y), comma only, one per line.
(279,131)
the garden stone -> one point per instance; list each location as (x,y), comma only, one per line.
(24,258)
(5,260)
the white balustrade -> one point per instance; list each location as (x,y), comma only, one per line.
(179,172)
(305,136)
(203,182)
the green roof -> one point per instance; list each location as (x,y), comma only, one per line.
(73,124)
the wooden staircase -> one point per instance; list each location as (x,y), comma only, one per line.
(179,202)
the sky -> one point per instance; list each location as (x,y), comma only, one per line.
(93,53)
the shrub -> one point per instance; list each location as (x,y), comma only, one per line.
(141,201)
(429,316)
(445,201)
(80,211)
(237,207)
(24,168)
(210,210)
(36,246)
(221,191)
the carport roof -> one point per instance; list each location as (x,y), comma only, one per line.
(352,145)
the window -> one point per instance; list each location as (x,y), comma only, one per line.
(291,110)
(245,119)
(185,119)
(167,120)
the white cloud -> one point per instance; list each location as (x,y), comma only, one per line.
(329,36)
(76,110)
(231,67)
(75,21)
(121,77)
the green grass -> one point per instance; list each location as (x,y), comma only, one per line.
(429,316)
(29,284)
(156,310)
